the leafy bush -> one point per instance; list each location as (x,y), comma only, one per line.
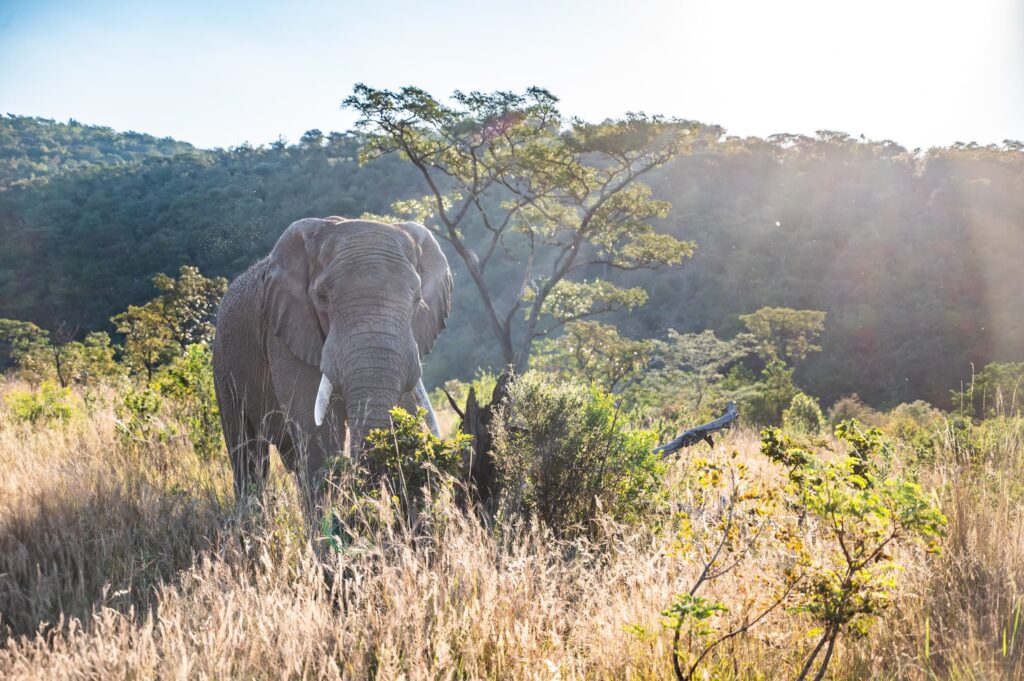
(772,394)
(850,407)
(137,422)
(863,516)
(37,357)
(28,347)
(411,457)
(49,402)
(188,380)
(804,415)
(95,361)
(917,424)
(838,569)
(564,450)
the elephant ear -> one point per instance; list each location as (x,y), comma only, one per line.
(436,284)
(287,308)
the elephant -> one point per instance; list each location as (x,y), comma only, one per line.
(321,339)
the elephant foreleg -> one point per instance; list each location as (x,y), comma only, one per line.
(250,462)
(308,458)
(247,451)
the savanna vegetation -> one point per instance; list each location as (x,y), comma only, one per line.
(856,555)
(863,521)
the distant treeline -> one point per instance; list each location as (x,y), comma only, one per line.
(915,256)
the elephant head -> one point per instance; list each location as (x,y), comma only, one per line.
(363,301)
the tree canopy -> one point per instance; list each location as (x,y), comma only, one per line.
(510,178)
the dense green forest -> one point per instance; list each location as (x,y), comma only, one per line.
(915,256)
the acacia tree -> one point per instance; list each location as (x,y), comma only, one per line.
(784,334)
(147,339)
(511,179)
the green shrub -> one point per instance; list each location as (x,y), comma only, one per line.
(917,425)
(137,422)
(850,407)
(840,569)
(411,457)
(49,402)
(803,415)
(864,514)
(188,381)
(772,394)
(563,451)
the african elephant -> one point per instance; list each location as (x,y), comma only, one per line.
(323,337)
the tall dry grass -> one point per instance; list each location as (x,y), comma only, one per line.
(120,565)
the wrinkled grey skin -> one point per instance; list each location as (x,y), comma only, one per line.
(359,302)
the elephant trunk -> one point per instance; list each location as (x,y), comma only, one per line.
(368,407)
(369,359)
(372,384)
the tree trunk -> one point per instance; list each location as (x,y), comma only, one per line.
(476,422)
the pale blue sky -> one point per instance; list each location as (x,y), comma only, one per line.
(921,72)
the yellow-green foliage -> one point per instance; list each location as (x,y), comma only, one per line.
(918,425)
(851,407)
(803,415)
(165,327)
(839,520)
(87,362)
(595,353)
(188,380)
(185,389)
(405,475)
(864,514)
(48,402)
(784,334)
(411,457)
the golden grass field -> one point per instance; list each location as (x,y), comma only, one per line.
(118,564)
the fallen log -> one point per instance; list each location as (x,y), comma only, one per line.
(702,432)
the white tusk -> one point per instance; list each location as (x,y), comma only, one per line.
(323,396)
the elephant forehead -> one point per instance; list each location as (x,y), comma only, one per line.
(366,241)
(366,270)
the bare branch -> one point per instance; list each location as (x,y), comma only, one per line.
(703,432)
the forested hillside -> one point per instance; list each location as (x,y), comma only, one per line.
(35,149)
(915,256)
